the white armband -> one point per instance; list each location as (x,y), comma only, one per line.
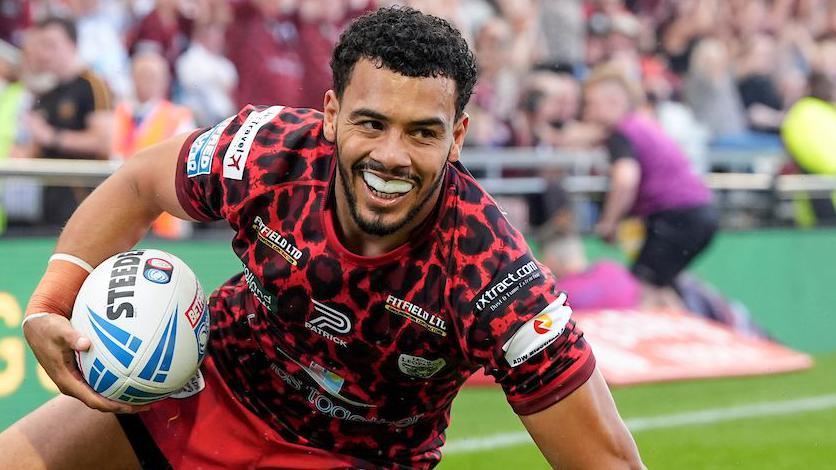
(72,259)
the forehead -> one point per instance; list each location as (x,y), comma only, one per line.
(605,89)
(53,32)
(397,96)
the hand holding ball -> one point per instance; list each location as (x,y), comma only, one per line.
(147,319)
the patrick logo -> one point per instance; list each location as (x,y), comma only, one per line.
(542,324)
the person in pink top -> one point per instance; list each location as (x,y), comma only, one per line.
(604,284)
(650,178)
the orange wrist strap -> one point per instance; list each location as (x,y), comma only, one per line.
(58,288)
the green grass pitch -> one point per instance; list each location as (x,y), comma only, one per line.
(804,439)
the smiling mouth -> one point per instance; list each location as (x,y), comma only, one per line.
(386,189)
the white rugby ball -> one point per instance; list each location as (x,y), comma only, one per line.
(146,316)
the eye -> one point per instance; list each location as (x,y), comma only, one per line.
(372,125)
(425,133)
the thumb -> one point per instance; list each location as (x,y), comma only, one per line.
(82,343)
(76,341)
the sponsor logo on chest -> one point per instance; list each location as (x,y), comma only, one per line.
(416,366)
(276,242)
(413,312)
(260,293)
(329,323)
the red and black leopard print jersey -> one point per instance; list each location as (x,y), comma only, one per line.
(364,355)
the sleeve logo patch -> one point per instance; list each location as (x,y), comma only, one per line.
(203,149)
(511,282)
(538,333)
(542,324)
(236,155)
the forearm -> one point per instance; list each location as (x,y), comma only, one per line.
(625,176)
(620,200)
(86,142)
(584,431)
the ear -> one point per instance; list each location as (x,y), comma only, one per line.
(459,131)
(331,109)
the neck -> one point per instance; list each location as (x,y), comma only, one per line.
(69,72)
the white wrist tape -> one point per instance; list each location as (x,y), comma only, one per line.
(72,259)
(34,316)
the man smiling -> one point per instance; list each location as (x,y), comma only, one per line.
(367,253)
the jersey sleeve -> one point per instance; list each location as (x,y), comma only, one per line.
(215,168)
(517,324)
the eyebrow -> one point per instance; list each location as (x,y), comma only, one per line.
(428,122)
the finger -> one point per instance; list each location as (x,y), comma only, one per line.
(70,382)
(82,343)
(74,340)
(117,407)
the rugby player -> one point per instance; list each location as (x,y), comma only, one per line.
(376,277)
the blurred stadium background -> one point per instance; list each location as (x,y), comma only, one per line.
(723,78)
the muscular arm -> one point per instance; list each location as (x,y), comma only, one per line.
(115,217)
(584,431)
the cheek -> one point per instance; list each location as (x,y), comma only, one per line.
(431,166)
(347,150)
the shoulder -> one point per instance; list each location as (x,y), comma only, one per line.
(618,146)
(477,221)
(488,252)
(273,145)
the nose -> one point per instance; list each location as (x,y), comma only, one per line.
(392,151)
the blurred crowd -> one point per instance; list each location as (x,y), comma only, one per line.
(103,78)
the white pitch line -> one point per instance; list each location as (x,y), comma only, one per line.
(694,418)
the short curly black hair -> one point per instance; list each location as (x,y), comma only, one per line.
(410,43)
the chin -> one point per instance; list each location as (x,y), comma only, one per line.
(378,224)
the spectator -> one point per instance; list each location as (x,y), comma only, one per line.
(467,15)
(149,120)
(528,45)
(691,20)
(207,78)
(100,45)
(320,23)
(549,107)
(650,178)
(71,120)
(263,43)
(151,117)
(165,30)
(13,98)
(604,284)
(676,118)
(495,92)
(12,101)
(761,99)
(710,90)
(565,31)
(15,17)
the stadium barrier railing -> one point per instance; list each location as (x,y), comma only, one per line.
(579,173)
